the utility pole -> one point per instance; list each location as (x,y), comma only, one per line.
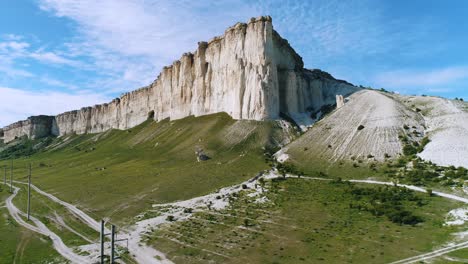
(102,241)
(112,245)
(11,177)
(113,257)
(29,191)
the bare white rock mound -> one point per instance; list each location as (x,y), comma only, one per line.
(366,127)
(447,128)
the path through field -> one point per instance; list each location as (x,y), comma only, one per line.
(40,228)
(145,254)
(140,252)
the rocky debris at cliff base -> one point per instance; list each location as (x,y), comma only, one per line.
(457,216)
(281,156)
(304,120)
(201,156)
(179,211)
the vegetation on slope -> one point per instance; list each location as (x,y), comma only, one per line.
(24,147)
(307,221)
(19,245)
(119,174)
(57,218)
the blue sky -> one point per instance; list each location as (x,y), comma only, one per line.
(58,55)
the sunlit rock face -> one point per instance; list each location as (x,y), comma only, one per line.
(33,127)
(250,72)
(339,101)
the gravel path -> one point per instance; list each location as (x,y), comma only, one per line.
(40,228)
(140,252)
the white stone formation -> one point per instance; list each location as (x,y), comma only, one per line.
(339,101)
(250,73)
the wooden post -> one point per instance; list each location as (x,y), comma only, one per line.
(112,244)
(102,241)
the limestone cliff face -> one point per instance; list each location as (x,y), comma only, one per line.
(250,73)
(33,127)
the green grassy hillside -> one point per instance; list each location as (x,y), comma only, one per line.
(119,174)
(306,221)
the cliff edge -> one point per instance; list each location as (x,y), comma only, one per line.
(250,72)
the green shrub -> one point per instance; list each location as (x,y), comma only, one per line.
(389,201)
(409,150)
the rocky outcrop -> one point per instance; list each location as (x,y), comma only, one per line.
(33,127)
(250,72)
(339,101)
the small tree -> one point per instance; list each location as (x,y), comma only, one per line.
(262,183)
(429,192)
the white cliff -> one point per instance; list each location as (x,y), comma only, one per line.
(250,73)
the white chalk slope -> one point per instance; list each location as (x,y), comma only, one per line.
(447,127)
(383,119)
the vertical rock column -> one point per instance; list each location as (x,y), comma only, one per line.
(339,101)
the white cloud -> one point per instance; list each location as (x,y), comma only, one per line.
(129,41)
(53,58)
(14,48)
(12,72)
(159,29)
(418,78)
(12,37)
(41,102)
(57,83)
(326,30)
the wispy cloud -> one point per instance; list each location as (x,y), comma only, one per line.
(53,58)
(41,102)
(411,77)
(129,41)
(330,32)
(14,48)
(58,83)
